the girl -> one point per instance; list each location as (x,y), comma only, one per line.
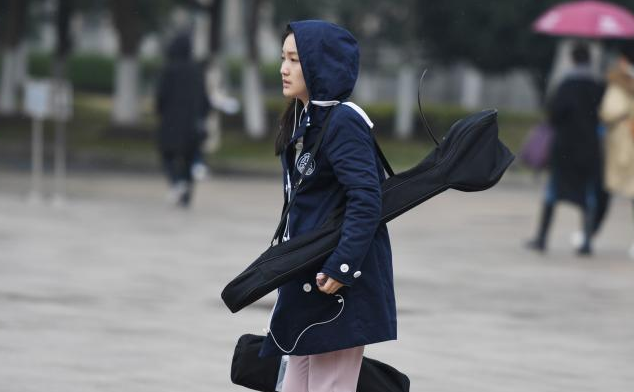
(325,318)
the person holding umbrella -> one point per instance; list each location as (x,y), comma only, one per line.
(588,20)
(575,153)
(617,111)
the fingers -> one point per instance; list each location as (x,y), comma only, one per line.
(321,279)
(330,287)
(326,287)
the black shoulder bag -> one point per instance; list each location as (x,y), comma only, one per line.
(261,374)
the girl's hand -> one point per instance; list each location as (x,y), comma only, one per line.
(327,284)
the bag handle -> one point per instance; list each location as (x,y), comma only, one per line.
(420,109)
(291,199)
(386,164)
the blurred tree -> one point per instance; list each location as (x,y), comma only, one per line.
(374,23)
(13,31)
(254,118)
(388,29)
(214,11)
(215,75)
(64,41)
(494,36)
(214,78)
(132,19)
(126,20)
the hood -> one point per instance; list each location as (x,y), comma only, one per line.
(329,56)
(180,48)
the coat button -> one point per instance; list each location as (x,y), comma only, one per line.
(307,287)
(357,274)
(344,268)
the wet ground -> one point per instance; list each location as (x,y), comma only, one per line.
(117,291)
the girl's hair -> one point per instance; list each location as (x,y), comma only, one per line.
(286,125)
(288,117)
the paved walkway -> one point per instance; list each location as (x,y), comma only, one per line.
(118,292)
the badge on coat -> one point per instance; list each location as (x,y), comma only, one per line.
(302,162)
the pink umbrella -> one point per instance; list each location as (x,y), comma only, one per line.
(589,19)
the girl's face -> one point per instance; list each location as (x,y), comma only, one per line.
(293,84)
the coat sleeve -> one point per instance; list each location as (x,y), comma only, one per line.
(349,149)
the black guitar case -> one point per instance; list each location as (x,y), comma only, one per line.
(469,158)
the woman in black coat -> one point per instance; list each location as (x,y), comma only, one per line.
(575,171)
(182,104)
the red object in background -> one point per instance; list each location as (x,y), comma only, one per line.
(588,19)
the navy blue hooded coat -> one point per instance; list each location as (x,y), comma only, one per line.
(346,171)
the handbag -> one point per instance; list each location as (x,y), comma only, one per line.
(469,158)
(251,371)
(263,374)
(535,152)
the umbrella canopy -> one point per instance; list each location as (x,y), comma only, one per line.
(587,19)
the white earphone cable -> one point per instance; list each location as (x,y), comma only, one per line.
(268,330)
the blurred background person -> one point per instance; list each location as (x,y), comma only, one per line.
(182,105)
(575,156)
(617,111)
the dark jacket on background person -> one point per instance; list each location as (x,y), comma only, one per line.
(576,156)
(181,101)
(346,172)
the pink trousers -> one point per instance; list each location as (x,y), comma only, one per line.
(336,371)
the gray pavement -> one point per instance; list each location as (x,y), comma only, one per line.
(116,291)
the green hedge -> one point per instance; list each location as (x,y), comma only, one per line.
(513,126)
(90,72)
(40,65)
(270,73)
(95,73)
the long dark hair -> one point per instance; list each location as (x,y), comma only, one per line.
(288,117)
